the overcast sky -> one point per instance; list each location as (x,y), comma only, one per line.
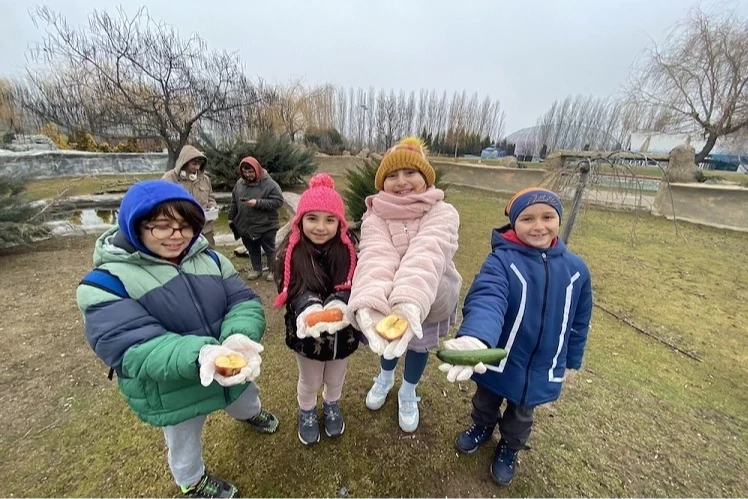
(527,53)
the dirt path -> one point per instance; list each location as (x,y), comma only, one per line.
(46,355)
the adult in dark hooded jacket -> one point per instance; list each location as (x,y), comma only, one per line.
(254,213)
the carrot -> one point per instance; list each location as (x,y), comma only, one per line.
(329,315)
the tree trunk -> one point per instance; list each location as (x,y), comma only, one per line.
(710,141)
(172,160)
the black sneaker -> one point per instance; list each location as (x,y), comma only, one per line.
(263,422)
(504,462)
(308,427)
(211,486)
(476,435)
(334,424)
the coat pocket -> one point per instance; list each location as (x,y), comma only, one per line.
(153,395)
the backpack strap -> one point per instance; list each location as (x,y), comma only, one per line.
(102,279)
(215,258)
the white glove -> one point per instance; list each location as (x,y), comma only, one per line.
(412,314)
(367,319)
(304,331)
(250,350)
(207,361)
(463,373)
(334,327)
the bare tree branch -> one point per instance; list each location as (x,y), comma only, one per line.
(131,76)
(699,75)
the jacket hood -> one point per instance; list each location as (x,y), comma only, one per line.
(187,154)
(498,240)
(260,172)
(140,199)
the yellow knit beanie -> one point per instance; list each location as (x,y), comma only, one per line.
(408,153)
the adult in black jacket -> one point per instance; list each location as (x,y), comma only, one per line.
(254,213)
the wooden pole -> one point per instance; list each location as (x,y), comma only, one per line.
(576,204)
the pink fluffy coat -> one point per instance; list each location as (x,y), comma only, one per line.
(406,251)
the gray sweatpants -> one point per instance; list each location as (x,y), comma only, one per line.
(185,439)
(515,423)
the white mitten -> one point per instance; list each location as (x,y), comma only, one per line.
(207,361)
(412,314)
(397,348)
(367,319)
(302,330)
(334,327)
(250,350)
(459,372)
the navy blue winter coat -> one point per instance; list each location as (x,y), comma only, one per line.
(537,305)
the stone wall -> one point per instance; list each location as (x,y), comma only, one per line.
(495,178)
(45,164)
(714,205)
(77,163)
(722,206)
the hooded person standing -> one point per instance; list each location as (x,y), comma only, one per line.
(189,172)
(254,213)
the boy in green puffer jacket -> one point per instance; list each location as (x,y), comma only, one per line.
(159,308)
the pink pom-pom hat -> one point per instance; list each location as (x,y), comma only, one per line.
(320,196)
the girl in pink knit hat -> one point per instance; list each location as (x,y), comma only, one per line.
(408,241)
(313,270)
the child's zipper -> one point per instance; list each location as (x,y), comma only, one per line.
(540,332)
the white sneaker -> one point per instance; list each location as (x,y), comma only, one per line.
(407,412)
(378,393)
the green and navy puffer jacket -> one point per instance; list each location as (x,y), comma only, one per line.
(152,339)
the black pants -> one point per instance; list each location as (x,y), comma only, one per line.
(266,243)
(515,424)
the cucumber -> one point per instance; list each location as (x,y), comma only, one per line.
(471,357)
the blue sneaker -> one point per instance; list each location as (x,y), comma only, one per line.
(308,427)
(503,465)
(469,440)
(334,423)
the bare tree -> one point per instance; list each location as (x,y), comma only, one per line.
(138,74)
(700,74)
(9,113)
(371,118)
(376,119)
(603,124)
(341,111)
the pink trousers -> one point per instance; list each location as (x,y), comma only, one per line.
(313,374)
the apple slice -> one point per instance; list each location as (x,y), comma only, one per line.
(230,365)
(392,327)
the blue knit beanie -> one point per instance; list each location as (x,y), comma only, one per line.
(530,196)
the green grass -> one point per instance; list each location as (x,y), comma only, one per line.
(49,188)
(639,420)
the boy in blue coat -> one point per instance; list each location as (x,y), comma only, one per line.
(532,297)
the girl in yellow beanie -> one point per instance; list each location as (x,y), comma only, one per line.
(405,268)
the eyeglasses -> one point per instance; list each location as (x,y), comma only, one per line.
(166,231)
